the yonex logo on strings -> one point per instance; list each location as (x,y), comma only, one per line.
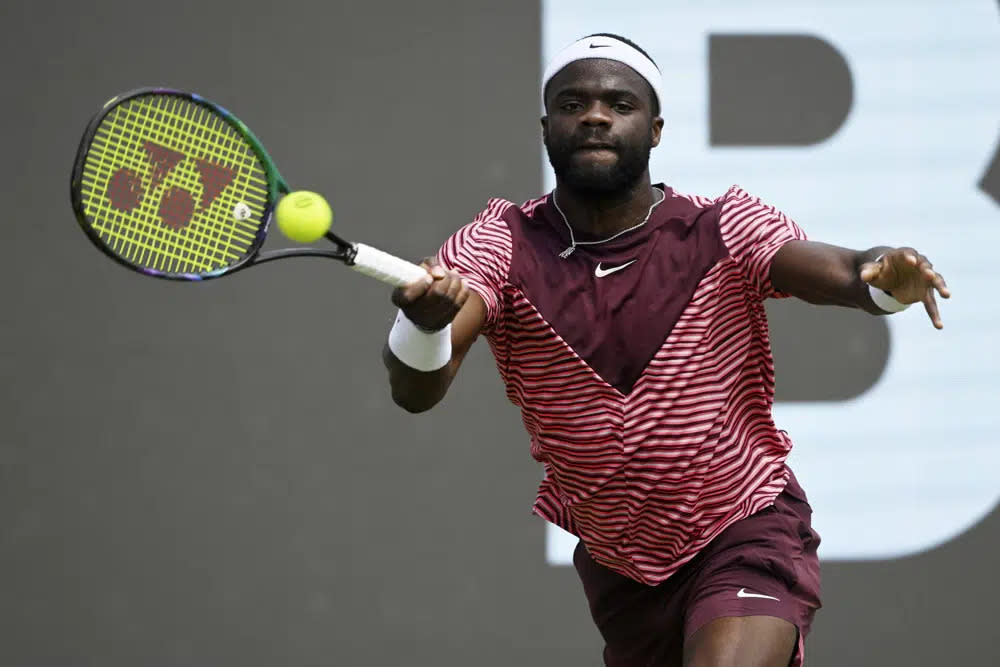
(177,206)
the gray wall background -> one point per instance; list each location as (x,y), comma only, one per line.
(214,474)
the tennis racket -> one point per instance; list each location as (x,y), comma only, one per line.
(173,186)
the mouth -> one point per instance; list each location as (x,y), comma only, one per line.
(600,152)
(597,153)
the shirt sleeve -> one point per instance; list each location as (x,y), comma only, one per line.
(481,252)
(754,231)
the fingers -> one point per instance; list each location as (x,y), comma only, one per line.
(871,270)
(942,287)
(433,267)
(404,296)
(926,272)
(905,272)
(930,305)
(930,280)
(455,288)
(434,300)
(934,279)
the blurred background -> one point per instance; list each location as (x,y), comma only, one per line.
(214,474)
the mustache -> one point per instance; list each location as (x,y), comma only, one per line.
(593,139)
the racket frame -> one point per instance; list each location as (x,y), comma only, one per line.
(277,186)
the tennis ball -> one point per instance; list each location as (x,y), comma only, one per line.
(303,216)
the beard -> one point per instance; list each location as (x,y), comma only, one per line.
(594,178)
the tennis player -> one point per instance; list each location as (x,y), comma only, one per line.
(627,321)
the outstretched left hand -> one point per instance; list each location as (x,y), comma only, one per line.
(909,277)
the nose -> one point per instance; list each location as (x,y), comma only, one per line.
(596,114)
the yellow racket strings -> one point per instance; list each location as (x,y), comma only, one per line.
(170,186)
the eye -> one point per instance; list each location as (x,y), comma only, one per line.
(571,106)
(623,107)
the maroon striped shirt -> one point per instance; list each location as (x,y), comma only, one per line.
(642,368)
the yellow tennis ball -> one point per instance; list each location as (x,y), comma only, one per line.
(303,216)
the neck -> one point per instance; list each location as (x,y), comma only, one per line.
(601,215)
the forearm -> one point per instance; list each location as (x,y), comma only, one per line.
(421,364)
(824,274)
(414,390)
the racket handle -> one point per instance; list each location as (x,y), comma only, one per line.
(385,267)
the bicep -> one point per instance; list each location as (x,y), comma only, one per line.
(465,328)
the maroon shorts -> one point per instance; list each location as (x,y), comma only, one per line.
(771,554)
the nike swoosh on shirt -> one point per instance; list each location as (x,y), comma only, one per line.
(601,272)
(743,594)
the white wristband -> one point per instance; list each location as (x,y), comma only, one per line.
(885,301)
(418,349)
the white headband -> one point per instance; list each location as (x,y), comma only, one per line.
(607,48)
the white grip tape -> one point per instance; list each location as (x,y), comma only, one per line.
(385,267)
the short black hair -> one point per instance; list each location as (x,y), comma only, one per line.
(626,40)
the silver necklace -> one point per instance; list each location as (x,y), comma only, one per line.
(573,243)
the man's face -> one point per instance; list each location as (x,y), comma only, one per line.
(600,126)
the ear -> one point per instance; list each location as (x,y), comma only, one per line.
(657,130)
(545,127)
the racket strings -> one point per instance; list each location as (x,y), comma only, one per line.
(168,185)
